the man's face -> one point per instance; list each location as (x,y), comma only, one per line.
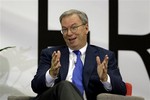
(75,33)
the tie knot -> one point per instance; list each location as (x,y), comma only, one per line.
(77,52)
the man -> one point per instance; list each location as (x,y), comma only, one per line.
(58,76)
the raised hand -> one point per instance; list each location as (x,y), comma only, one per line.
(102,68)
(55,64)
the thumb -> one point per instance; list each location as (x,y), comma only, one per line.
(98,60)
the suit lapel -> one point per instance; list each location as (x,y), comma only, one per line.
(64,63)
(89,64)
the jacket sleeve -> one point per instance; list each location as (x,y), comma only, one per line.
(38,83)
(118,86)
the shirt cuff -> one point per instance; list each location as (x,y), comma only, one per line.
(107,84)
(49,79)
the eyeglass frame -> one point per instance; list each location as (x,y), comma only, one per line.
(75,28)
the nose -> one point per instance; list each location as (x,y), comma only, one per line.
(69,32)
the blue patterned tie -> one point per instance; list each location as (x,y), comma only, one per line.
(77,73)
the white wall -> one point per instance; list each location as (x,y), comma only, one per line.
(19,27)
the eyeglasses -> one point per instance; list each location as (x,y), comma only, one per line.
(73,29)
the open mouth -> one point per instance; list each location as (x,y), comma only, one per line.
(72,39)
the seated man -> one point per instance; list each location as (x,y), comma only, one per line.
(78,71)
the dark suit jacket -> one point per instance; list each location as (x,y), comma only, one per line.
(91,81)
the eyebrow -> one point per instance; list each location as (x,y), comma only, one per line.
(70,26)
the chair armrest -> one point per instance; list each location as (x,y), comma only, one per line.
(20,98)
(107,96)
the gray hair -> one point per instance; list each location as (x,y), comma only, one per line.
(81,15)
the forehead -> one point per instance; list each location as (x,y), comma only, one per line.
(71,19)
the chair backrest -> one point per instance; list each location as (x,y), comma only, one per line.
(129,89)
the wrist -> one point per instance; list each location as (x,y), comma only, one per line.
(104,79)
(51,72)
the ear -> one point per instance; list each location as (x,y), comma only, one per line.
(87,28)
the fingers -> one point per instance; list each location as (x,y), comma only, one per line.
(102,67)
(56,58)
(58,54)
(105,62)
(98,60)
(55,63)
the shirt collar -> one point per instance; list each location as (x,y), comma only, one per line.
(82,50)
